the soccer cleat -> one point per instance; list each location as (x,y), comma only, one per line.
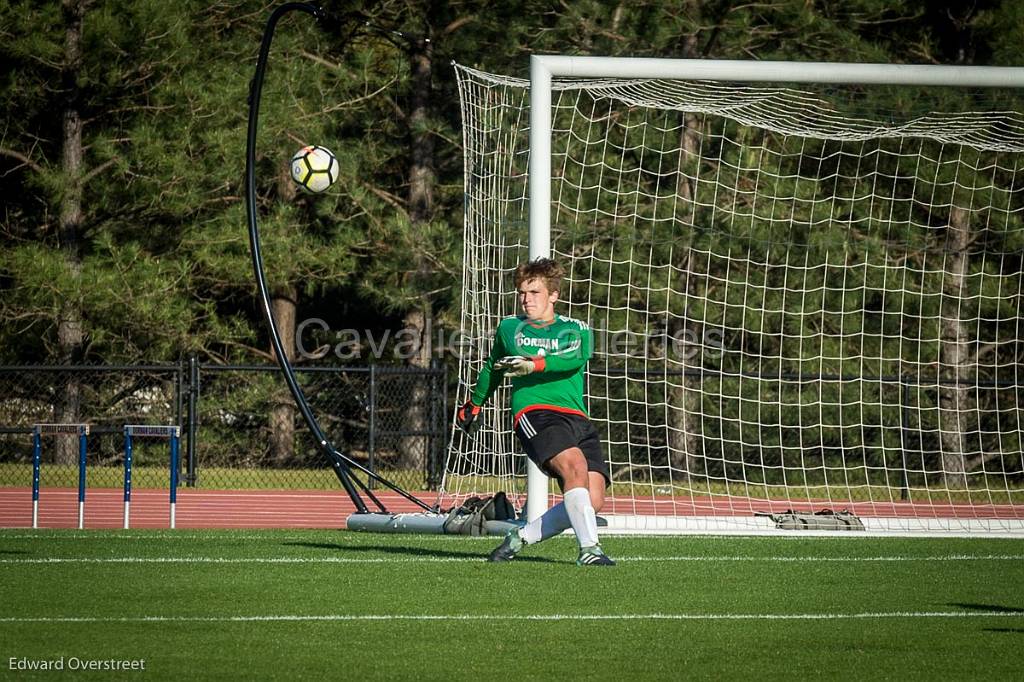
(508,548)
(594,556)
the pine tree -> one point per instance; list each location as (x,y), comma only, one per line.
(79,73)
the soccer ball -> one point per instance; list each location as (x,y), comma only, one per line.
(314,168)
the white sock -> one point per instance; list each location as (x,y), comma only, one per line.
(550,524)
(582,516)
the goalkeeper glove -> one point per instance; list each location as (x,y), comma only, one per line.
(465,417)
(516,365)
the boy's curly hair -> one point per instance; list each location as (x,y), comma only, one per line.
(541,268)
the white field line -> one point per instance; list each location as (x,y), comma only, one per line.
(342,617)
(270,534)
(477,559)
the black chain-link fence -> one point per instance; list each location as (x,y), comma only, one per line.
(240,427)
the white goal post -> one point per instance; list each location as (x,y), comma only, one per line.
(919,320)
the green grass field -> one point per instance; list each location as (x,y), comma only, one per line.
(339,605)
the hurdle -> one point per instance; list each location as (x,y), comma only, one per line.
(173,434)
(40,430)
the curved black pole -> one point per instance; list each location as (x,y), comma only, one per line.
(341,463)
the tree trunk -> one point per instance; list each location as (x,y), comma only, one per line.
(68,409)
(955,410)
(684,432)
(283,303)
(414,449)
(421,173)
(283,306)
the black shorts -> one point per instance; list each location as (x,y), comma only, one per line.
(545,433)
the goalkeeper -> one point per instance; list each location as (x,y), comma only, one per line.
(545,355)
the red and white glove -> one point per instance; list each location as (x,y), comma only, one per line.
(466,416)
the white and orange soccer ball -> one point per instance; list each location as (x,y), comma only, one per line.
(314,168)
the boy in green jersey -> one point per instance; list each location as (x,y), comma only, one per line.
(546,356)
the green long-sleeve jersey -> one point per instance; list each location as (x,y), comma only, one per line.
(560,351)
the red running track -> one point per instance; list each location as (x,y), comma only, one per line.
(104,508)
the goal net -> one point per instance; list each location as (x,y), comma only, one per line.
(803,298)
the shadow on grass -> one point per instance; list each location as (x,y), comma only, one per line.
(414,551)
(991,608)
(994,608)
